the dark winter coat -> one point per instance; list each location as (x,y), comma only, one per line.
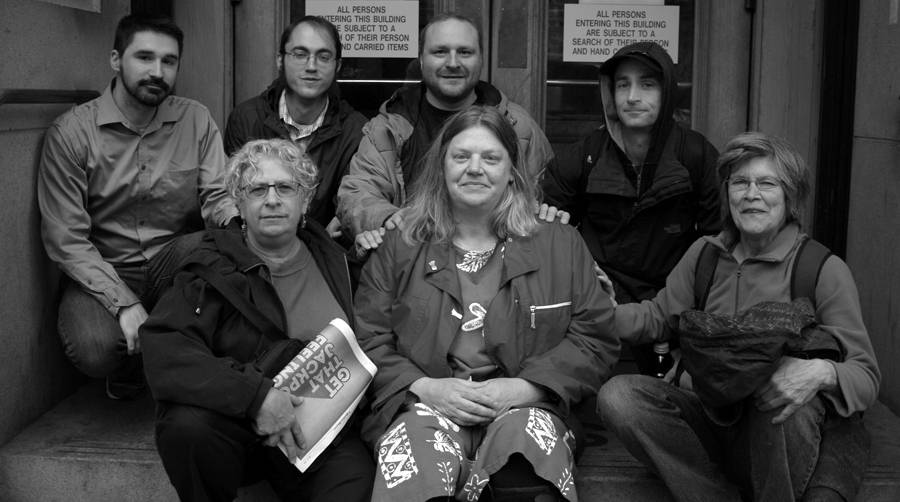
(550,323)
(638,238)
(198,348)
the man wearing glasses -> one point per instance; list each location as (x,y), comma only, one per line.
(122,178)
(304,105)
(642,186)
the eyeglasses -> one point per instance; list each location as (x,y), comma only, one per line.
(261,190)
(302,58)
(763,184)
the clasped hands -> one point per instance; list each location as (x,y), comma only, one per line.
(469,403)
(278,423)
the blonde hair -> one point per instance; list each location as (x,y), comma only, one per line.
(430,217)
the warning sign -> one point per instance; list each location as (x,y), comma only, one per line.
(594,33)
(372,29)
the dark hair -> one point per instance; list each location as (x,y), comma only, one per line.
(430,217)
(322,25)
(785,159)
(446,16)
(134,23)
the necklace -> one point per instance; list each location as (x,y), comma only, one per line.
(474,260)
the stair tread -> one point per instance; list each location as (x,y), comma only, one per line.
(109,446)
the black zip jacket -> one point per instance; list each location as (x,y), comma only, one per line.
(638,238)
(330,148)
(198,348)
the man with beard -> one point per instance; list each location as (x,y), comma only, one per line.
(381,172)
(304,105)
(122,178)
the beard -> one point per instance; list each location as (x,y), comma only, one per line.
(146,95)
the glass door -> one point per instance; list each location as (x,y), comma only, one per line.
(573,92)
(368,82)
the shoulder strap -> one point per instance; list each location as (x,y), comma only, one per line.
(704,274)
(238,300)
(808,265)
(589,147)
(690,154)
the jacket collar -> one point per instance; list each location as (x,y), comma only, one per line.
(519,259)
(231,244)
(331,125)
(670,176)
(406,101)
(777,250)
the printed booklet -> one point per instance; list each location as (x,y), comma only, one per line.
(331,375)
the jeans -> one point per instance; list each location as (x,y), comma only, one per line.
(208,456)
(93,339)
(667,429)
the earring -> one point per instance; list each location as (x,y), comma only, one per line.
(302,221)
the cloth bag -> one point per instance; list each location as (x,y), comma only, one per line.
(728,357)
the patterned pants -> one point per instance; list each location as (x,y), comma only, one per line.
(424,455)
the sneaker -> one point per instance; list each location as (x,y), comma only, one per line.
(126,388)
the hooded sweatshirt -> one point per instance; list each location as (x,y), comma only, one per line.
(637,238)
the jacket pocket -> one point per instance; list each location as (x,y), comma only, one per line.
(547,325)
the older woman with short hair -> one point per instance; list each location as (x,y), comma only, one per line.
(769,449)
(487,326)
(219,419)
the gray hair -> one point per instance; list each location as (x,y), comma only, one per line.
(243,166)
(787,161)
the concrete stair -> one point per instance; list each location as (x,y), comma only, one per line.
(92,449)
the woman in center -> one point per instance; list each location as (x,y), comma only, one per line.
(487,328)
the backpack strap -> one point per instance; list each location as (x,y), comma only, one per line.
(811,257)
(808,265)
(236,299)
(589,147)
(704,273)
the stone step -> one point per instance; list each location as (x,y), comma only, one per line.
(92,449)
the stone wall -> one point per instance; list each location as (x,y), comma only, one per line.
(42,46)
(873,247)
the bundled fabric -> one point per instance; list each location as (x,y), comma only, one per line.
(729,357)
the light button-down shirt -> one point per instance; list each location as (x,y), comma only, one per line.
(113,195)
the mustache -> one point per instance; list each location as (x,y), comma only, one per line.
(155,81)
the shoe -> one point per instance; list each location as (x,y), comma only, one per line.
(126,388)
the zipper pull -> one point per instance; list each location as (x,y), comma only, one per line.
(532,316)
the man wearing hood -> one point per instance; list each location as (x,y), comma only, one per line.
(304,105)
(642,186)
(450,55)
